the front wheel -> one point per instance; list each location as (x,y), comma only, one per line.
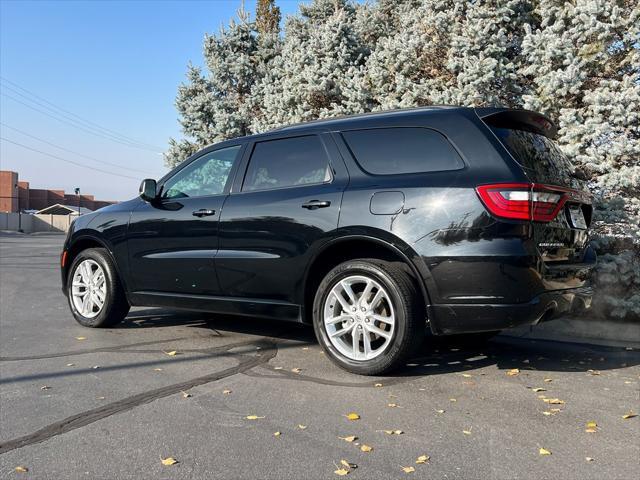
(95,294)
(368,316)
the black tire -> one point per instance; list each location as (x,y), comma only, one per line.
(116,307)
(407,304)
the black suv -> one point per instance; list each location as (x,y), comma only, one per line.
(375,228)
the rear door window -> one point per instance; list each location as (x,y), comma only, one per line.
(287,162)
(398,150)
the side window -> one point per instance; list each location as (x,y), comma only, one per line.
(390,151)
(287,162)
(207,175)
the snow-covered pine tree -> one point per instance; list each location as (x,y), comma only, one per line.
(311,76)
(219,105)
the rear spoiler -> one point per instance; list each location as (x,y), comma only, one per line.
(518,119)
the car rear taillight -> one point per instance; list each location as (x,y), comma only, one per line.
(523,201)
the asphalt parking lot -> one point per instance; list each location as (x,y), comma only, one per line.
(82,403)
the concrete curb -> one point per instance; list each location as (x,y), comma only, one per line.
(609,333)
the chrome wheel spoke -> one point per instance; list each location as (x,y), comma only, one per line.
(338,319)
(347,289)
(344,331)
(343,303)
(378,331)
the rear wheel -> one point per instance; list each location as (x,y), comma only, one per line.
(94,291)
(368,316)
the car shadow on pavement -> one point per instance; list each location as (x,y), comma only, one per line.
(437,356)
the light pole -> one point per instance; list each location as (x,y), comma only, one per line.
(77,190)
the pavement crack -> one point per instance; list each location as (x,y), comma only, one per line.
(267,352)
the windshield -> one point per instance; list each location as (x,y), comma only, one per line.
(541,159)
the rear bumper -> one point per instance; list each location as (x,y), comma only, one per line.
(469,318)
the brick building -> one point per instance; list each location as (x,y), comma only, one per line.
(17,196)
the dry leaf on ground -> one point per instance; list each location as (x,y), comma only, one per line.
(440,411)
(168,461)
(423,459)
(466,432)
(186,395)
(350,438)
(276,434)
(629,415)
(393,432)
(513,372)
(253,417)
(45,387)
(352,416)
(539,390)
(302,427)
(548,380)
(81,338)
(366,448)
(226,392)
(341,471)
(296,370)
(377,385)
(172,353)
(544,451)
(589,459)
(408,469)
(553,401)
(21,469)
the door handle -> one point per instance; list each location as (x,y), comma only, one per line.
(203,212)
(313,204)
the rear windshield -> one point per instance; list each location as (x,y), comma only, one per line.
(539,156)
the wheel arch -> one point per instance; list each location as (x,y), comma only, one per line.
(83,242)
(350,246)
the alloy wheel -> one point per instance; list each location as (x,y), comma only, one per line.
(359,318)
(88,288)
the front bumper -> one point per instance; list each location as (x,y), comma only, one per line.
(448,319)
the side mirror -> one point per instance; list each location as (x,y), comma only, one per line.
(148,190)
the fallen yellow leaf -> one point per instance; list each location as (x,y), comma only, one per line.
(296,370)
(408,469)
(352,416)
(45,387)
(553,401)
(302,427)
(276,434)
(21,469)
(71,364)
(592,424)
(350,438)
(513,372)
(423,459)
(366,448)
(392,405)
(466,432)
(253,417)
(158,369)
(539,390)
(186,395)
(440,411)
(548,380)
(378,385)
(629,415)
(466,375)
(590,430)
(168,461)
(589,459)
(81,338)
(544,451)
(393,432)
(226,392)
(453,400)
(344,463)
(341,471)
(172,353)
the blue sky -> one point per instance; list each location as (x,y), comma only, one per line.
(115,63)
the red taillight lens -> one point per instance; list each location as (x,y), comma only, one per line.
(63,259)
(522,201)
